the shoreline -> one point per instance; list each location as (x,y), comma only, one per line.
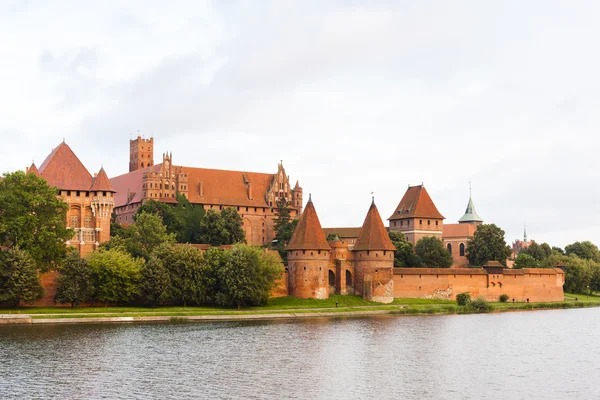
(230,316)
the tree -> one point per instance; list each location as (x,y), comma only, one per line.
(19,279)
(557,250)
(404,255)
(246,276)
(488,244)
(225,227)
(155,283)
(524,260)
(585,249)
(331,237)
(188,274)
(432,254)
(538,251)
(165,211)
(115,276)
(74,284)
(146,234)
(233,225)
(116,229)
(284,227)
(33,218)
(190,217)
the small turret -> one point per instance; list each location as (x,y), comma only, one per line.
(33,169)
(297,197)
(470,216)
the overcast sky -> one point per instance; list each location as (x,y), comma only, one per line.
(354,97)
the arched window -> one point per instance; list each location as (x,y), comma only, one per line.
(449,247)
(331,278)
(462,249)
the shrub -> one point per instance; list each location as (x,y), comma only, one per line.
(480,305)
(462,299)
(503,298)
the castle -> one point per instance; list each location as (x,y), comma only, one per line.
(254,195)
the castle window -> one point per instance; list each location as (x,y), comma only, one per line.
(254,209)
(246,208)
(449,247)
(408,223)
(436,223)
(401,223)
(462,249)
(420,222)
(88,222)
(428,222)
(142,165)
(103,193)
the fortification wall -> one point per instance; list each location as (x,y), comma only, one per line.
(308,274)
(537,285)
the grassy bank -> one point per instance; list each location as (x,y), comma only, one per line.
(297,307)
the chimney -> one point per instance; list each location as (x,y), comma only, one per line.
(249,191)
(201,189)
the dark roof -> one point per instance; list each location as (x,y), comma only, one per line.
(416,203)
(373,235)
(493,263)
(308,234)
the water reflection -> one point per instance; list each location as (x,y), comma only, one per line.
(546,354)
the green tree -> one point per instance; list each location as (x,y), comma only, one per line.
(116,229)
(165,211)
(146,234)
(524,260)
(212,229)
(331,237)
(19,278)
(488,244)
(557,250)
(284,227)
(404,255)
(246,276)
(190,281)
(234,225)
(115,276)
(74,284)
(585,249)
(155,283)
(432,254)
(190,216)
(538,251)
(33,218)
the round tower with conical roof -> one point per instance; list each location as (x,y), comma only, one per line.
(374,260)
(308,257)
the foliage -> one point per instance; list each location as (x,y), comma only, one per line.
(189,216)
(488,244)
(165,211)
(479,305)
(191,279)
(284,227)
(538,252)
(218,228)
(155,282)
(246,276)
(524,260)
(146,234)
(404,255)
(432,254)
(586,250)
(115,275)
(503,298)
(74,284)
(331,237)
(19,278)
(557,250)
(462,299)
(33,218)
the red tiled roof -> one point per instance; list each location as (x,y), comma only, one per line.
(458,230)
(493,263)
(130,185)
(62,169)
(373,235)
(416,203)
(101,182)
(33,170)
(308,234)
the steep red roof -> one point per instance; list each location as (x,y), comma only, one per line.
(62,169)
(373,235)
(128,187)
(416,203)
(101,182)
(308,234)
(33,170)
(458,230)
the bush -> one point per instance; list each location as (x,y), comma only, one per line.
(462,299)
(503,298)
(480,305)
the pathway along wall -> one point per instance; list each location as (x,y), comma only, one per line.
(535,284)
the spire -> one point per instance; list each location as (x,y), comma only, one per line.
(33,169)
(308,234)
(525,233)
(372,235)
(101,182)
(470,213)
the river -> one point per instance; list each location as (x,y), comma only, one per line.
(519,355)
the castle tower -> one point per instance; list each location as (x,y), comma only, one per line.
(470,216)
(141,153)
(102,205)
(374,260)
(297,198)
(33,170)
(308,257)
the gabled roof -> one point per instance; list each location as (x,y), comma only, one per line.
(63,170)
(416,203)
(101,182)
(470,214)
(373,235)
(308,234)
(33,170)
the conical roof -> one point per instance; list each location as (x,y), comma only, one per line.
(416,203)
(470,213)
(101,182)
(33,170)
(308,234)
(373,235)
(63,170)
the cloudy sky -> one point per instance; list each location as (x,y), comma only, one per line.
(353,96)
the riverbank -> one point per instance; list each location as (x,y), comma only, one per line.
(280,308)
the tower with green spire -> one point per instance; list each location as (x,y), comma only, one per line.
(471,216)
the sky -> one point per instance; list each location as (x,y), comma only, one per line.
(354,97)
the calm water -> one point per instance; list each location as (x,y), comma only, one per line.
(537,355)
